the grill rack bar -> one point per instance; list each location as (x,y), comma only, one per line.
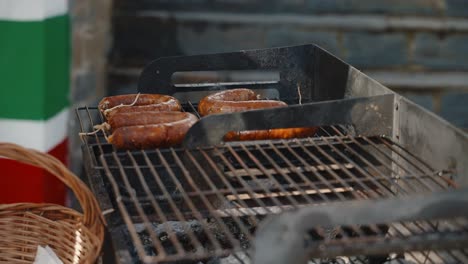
(332,167)
(429,223)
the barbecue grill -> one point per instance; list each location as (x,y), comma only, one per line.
(203,201)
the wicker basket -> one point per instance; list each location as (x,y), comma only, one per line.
(74,237)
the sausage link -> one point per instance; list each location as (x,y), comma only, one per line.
(219,107)
(161,107)
(278,133)
(163,130)
(235,100)
(123,119)
(108,105)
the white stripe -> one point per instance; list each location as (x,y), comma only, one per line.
(32,10)
(39,135)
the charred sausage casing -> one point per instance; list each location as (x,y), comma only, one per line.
(235,100)
(238,100)
(146,102)
(278,133)
(163,129)
(138,118)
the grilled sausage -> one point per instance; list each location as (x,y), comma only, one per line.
(279,133)
(162,130)
(141,118)
(126,103)
(161,107)
(235,100)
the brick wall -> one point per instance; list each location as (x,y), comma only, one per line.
(417,47)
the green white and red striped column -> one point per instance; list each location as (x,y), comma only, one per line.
(34,90)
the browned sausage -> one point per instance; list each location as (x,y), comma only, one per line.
(279,133)
(235,100)
(161,107)
(123,103)
(135,118)
(161,133)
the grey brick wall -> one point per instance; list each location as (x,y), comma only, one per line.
(399,7)
(368,50)
(449,52)
(91,36)
(397,38)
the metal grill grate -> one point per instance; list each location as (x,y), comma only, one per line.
(198,204)
(408,240)
(418,229)
(402,237)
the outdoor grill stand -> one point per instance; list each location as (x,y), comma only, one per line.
(204,200)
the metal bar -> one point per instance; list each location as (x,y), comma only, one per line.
(359,168)
(299,172)
(412,254)
(273,179)
(443,206)
(394,143)
(333,160)
(331,172)
(220,197)
(171,234)
(172,204)
(260,190)
(316,173)
(231,189)
(436,228)
(391,145)
(190,204)
(405,168)
(395,229)
(194,110)
(255,211)
(241,181)
(92,123)
(281,194)
(255,179)
(80,121)
(383,164)
(462,255)
(279,170)
(238,258)
(311,155)
(325,131)
(185,172)
(430,170)
(387,166)
(400,166)
(174,258)
(125,215)
(290,169)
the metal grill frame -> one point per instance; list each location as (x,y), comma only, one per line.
(415,169)
(326,77)
(421,227)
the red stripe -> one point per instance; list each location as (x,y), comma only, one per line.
(25,183)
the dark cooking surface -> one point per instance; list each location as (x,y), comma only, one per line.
(199,204)
(204,201)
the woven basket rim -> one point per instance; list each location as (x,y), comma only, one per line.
(91,219)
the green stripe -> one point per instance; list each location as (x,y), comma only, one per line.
(34,67)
